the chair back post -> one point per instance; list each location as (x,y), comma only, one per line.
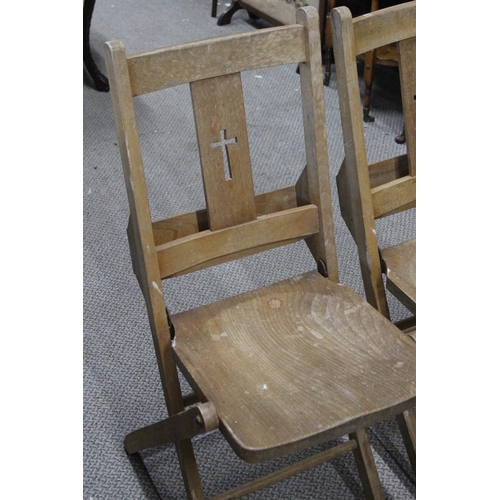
(314,184)
(142,245)
(355,163)
(140,227)
(364,197)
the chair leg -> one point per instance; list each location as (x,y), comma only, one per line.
(225,17)
(368,77)
(407,426)
(183,425)
(401,139)
(328,66)
(189,469)
(100,81)
(214,8)
(365,462)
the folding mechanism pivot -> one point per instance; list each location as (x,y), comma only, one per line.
(322,268)
(171,326)
(184,425)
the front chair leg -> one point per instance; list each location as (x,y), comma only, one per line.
(179,427)
(365,462)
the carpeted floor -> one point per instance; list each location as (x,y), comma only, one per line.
(121,384)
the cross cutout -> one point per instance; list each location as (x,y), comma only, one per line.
(223,143)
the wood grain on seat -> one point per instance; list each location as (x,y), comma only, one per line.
(307,356)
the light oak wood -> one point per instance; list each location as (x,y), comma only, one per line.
(408,61)
(394,196)
(204,248)
(292,355)
(370,31)
(195,61)
(283,367)
(142,244)
(179,226)
(314,185)
(388,170)
(219,114)
(368,192)
(400,263)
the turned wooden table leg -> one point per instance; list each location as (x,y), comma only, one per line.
(401,139)
(328,66)
(100,81)
(368,76)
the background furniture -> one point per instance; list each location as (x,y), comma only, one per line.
(249,358)
(280,12)
(100,81)
(371,191)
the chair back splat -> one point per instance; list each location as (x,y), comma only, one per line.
(289,365)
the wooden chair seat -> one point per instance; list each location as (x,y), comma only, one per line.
(291,359)
(400,268)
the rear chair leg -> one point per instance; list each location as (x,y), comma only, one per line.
(366,466)
(407,426)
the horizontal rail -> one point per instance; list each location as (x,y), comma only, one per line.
(202,59)
(180,226)
(394,196)
(289,471)
(371,30)
(202,249)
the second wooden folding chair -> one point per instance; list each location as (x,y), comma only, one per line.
(368,192)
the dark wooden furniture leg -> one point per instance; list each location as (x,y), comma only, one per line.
(214,8)
(100,81)
(401,139)
(368,77)
(225,17)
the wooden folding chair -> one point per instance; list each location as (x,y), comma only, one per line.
(369,192)
(286,366)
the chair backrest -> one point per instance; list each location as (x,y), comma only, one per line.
(236,222)
(368,192)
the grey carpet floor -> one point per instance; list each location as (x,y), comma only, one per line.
(121,384)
